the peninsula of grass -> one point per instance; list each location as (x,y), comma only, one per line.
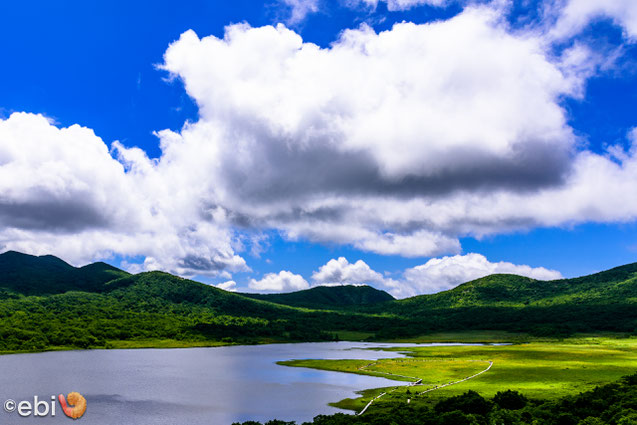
(537,369)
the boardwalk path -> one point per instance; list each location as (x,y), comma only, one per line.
(418,382)
(462,380)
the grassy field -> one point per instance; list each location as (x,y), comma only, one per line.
(538,369)
(469,337)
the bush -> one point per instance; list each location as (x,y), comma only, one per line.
(470,403)
(511,400)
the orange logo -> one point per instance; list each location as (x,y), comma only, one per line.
(77,402)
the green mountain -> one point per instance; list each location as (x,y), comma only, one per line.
(617,285)
(603,301)
(31,275)
(327,297)
(46,303)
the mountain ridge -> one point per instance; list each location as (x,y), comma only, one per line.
(327,296)
(500,289)
(515,290)
(45,275)
(45,302)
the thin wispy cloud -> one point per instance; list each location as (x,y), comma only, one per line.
(395,5)
(298,10)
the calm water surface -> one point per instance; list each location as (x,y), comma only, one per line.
(191,386)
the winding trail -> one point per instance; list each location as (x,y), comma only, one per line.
(418,381)
(437,387)
(386,373)
(370,403)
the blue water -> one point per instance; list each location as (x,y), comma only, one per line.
(212,386)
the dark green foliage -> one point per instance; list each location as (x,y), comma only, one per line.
(157,305)
(511,400)
(455,417)
(328,297)
(470,403)
(604,301)
(30,275)
(616,284)
(45,302)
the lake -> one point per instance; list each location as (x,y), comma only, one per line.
(212,386)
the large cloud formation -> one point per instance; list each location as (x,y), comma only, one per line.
(398,142)
(62,192)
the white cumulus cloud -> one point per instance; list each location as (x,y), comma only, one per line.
(440,274)
(230,285)
(62,193)
(49,177)
(342,272)
(437,274)
(284,281)
(375,140)
(398,142)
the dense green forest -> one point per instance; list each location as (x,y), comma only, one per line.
(603,301)
(46,304)
(22,274)
(152,305)
(328,297)
(611,404)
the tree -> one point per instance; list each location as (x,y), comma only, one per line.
(511,400)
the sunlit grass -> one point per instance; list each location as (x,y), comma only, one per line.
(538,369)
(470,337)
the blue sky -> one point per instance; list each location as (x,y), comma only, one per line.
(278,177)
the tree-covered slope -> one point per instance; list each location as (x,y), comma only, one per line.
(45,302)
(605,301)
(327,297)
(157,306)
(30,275)
(618,285)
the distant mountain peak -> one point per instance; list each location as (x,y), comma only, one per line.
(328,296)
(47,274)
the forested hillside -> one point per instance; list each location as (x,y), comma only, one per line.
(45,303)
(328,297)
(30,275)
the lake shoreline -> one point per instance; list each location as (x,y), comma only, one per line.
(483,337)
(224,385)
